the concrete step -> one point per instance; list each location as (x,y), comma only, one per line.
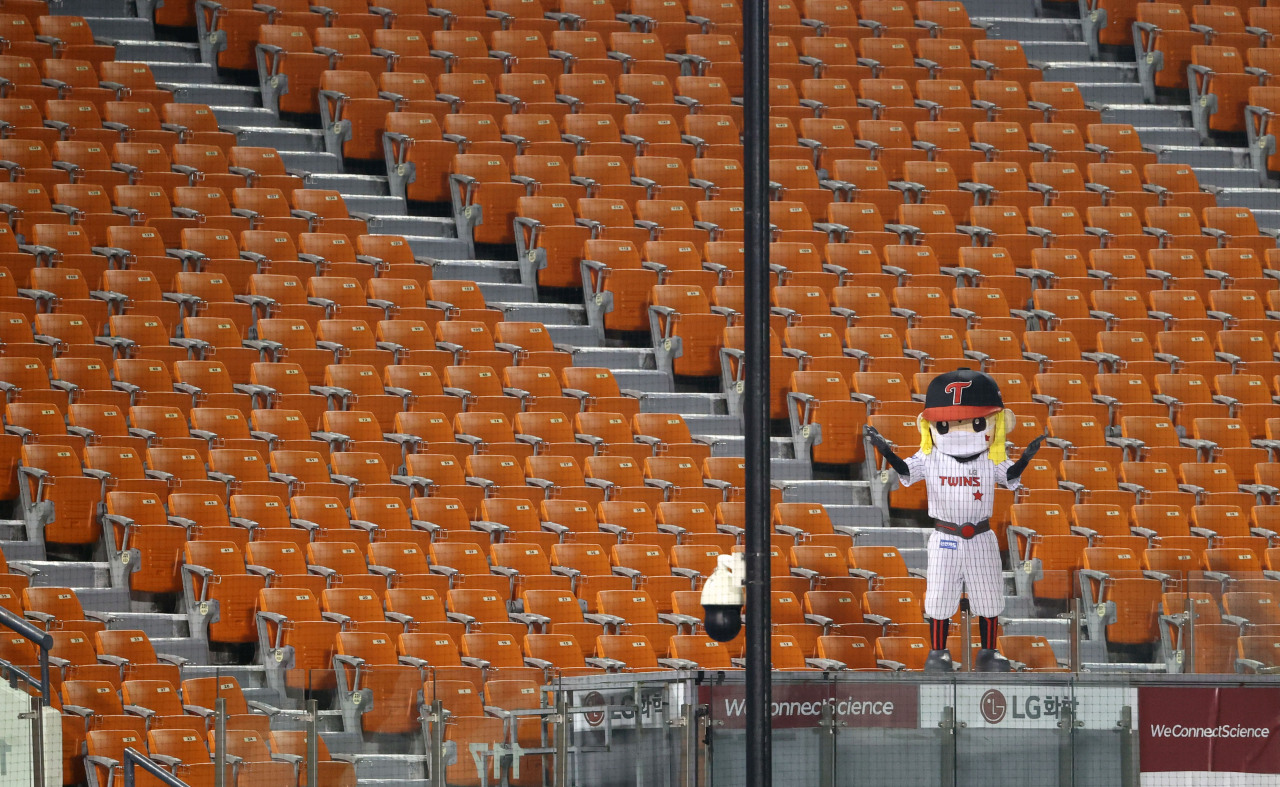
(415,226)
(22,551)
(72,574)
(232,118)
(558,314)
(1203,157)
(916,559)
(150,51)
(1162,137)
(686,403)
(572,337)
(194,650)
(650,382)
(1050,628)
(1144,116)
(118,28)
(1039,52)
(105,599)
(214,94)
(615,357)
(863,517)
(1091,651)
(783,470)
(351,186)
(719,427)
(780,448)
(185,73)
(395,782)
(480,271)
(393,769)
(1090,72)
(517,294)
(428,228)
(251,676)
(878,535)
(154,624)
(1001,8)
(1032,30)
(1123,667)
(827,492)
(98,10)
(282,139)
(1259,199)
(1108,93)
(383,205)
(1227,177)
(443,247)
(1267,219)
(1018,606)
(311,162)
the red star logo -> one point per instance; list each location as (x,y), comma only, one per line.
(977,495)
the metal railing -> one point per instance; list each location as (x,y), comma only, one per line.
(133,760)
(20,680)
(688,729)
(42,640)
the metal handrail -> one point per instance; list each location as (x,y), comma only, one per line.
(133,759)
(43,639)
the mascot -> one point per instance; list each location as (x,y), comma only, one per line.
(961,461)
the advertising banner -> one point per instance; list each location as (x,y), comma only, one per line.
(1025,706)
(800,705)
(657,703)
(1209,736)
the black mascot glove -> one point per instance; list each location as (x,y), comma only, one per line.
(1015,470)
(886,450)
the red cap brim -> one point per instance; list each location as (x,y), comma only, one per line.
(958,412)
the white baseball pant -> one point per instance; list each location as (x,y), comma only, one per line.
(971,565)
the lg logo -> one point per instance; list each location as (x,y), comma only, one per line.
(993,706)
(594,718)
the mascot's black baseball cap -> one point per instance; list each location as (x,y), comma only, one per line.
(961,394)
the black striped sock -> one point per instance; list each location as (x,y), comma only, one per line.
(938,633)
(988,628)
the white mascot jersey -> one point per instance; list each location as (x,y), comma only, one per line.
(959,492)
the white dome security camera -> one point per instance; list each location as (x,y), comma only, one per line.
(723,596)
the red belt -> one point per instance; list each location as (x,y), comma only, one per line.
(967,530)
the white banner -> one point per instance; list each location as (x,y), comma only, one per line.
(1026,706)
(658,704)
(1207,779)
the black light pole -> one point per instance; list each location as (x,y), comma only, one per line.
(755,410)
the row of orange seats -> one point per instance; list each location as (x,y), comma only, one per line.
(669,22)
(852,287)
(94,83)
(363,105)
(686,314)
(415,382)
(858,276)
(100,720)
(234,257)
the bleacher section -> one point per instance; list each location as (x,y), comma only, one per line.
(387,352)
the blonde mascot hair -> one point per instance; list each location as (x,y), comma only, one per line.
(996,453)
